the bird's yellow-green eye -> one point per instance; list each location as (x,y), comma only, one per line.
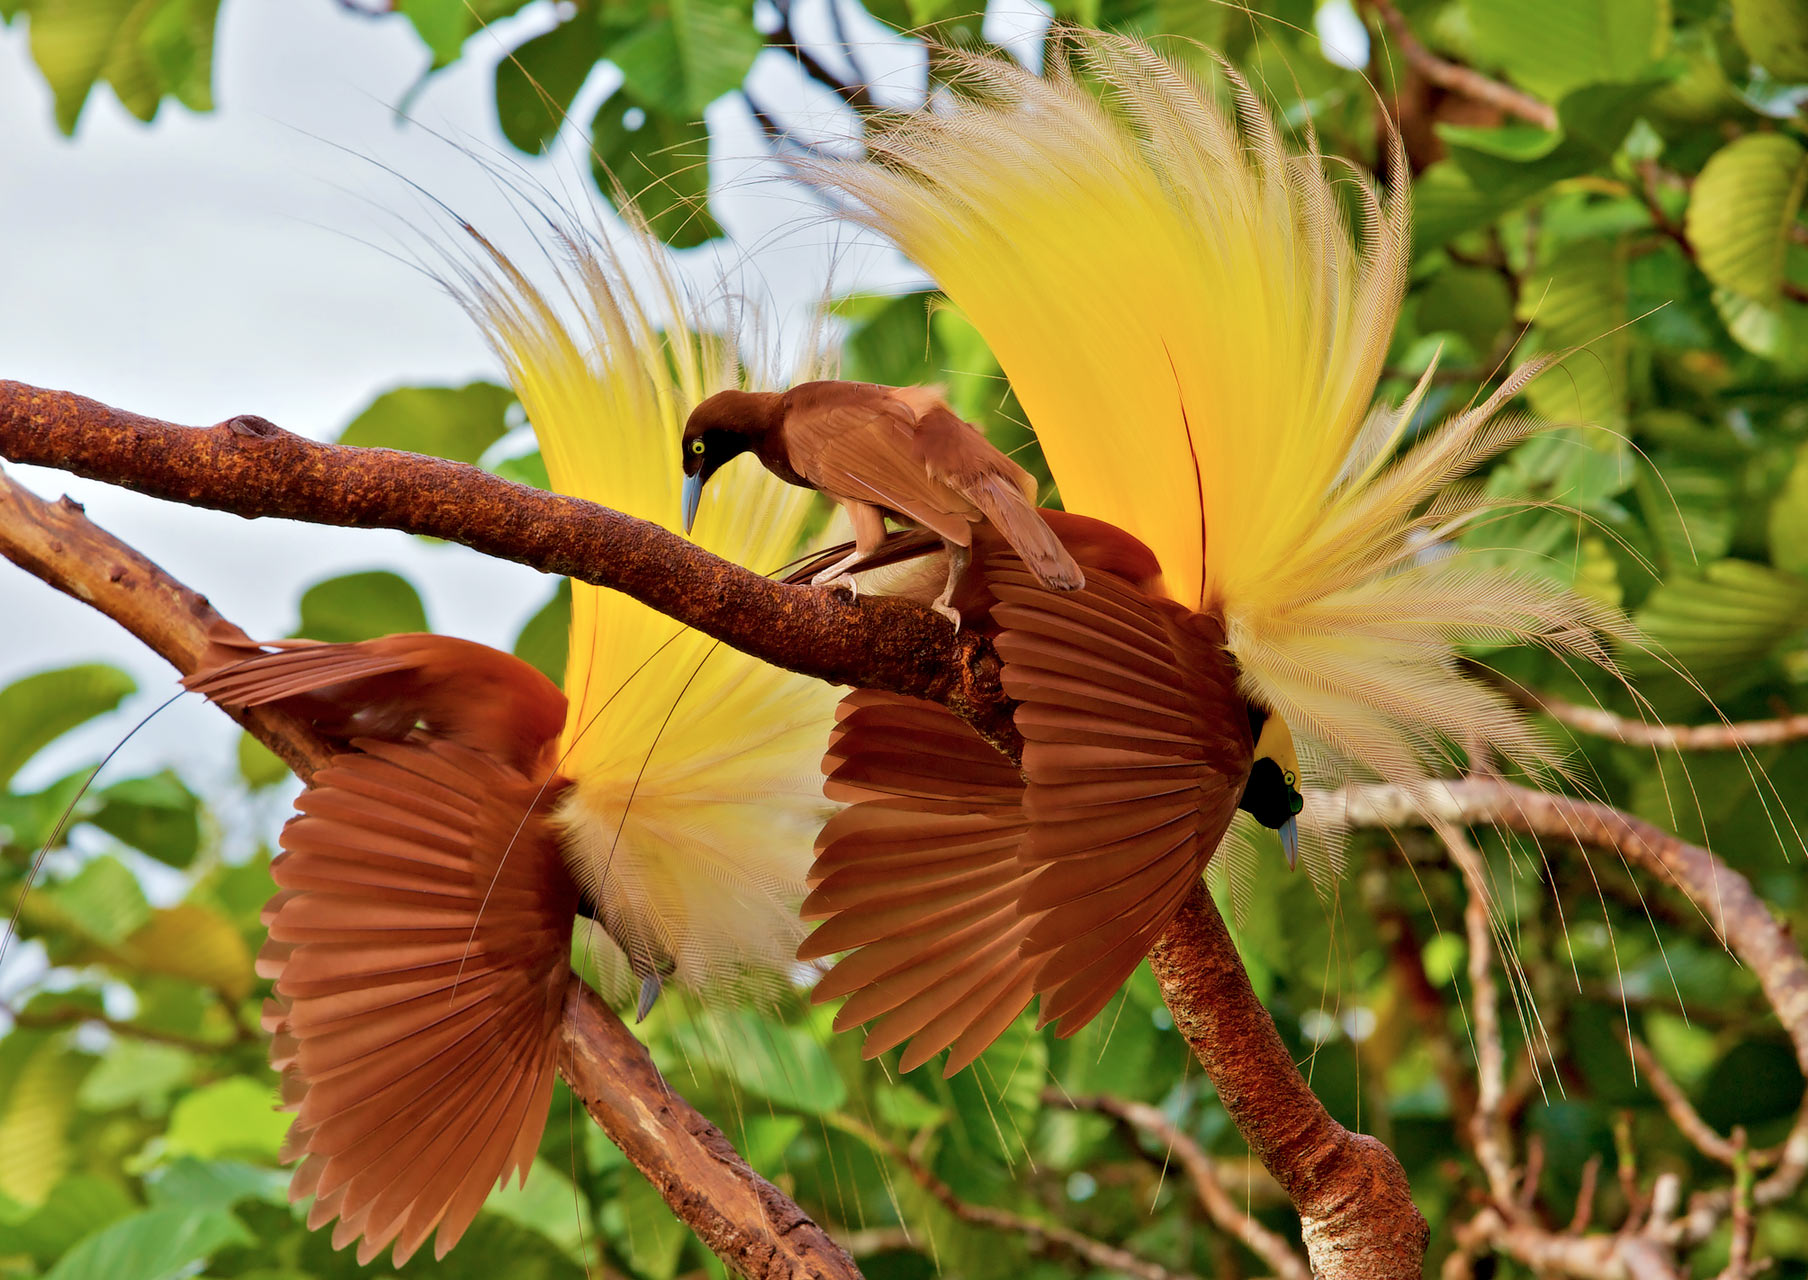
(696,446)
(1290,778)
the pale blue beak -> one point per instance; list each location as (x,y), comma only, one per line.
(1290,842)
(693,498)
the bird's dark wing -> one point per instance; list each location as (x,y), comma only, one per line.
(1136,748)
(918,880)
(857,441)
(420,947)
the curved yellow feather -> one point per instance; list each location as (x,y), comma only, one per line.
(697,791)
(1196,333)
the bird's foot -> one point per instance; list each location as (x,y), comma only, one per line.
(949,612)
(845,581)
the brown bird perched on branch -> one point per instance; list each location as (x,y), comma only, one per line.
(879,451)
(959,890)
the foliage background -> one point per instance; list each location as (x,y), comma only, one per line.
(1652,222)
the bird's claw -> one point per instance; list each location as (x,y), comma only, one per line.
(949,612)
(845,582)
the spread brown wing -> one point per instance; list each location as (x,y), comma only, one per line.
(1136,747)
(918,879)
(420,946)
(387,687)
(857,441)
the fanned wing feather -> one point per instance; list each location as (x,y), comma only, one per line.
(919,878)
(1134,773)
(420,949)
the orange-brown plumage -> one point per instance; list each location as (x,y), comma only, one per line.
(962,888)
(419,941)
(882,451)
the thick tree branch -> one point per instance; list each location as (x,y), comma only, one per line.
(1356,1209)
(752,1226)
(252,468)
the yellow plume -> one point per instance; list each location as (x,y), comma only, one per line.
(1196,335)
(697,791)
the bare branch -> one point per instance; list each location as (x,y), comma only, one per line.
(1683,1115)
(1738,736)
(1458,79)
(1202,1172)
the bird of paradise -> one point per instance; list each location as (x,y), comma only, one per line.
(1196,334)
(420,942)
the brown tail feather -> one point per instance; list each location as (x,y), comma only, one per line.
(421,964)
(388,687)
(1020,521)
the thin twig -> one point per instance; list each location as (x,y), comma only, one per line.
(1458,79)
(1683,1115)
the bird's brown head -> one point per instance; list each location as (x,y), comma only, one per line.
(724,426)
(1272,795)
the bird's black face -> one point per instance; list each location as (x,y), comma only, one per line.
(1272,795)
(705,449)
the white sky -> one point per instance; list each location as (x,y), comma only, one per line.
(210,265)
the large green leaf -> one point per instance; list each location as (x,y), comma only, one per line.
(140,1074)
(448,422)
(1553,46)
(360,606)
(785,1065)
(38,1085)
(235,1117)
(535,84)
(41,708)
(194,942)
(1729,617)
(142,48)
(687,54)
(78,1206)
(650,1238)
(102,901)
(1579,301)
(157,1244)
(544,638)
(661,161)
(1788,525)
(156,815)
(1741,212)
(1775,33)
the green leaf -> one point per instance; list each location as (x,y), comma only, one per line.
(663,165)
(216,1184)
(649,1237)
(236,1117)
(194,942)
(448,422)
(535,85)
(137,1073)
(177,42)
(156,815)
(1730,617)
(72,42)
(39,709)
(142,48)
(360,606)
(1553,46)
(679,63)
(1579,300)
(545,1204)
(442,26)
(1473,303)
(545,637)
(103,901)
(157,1244)
(36,1106)
(1788,525)
(784,1065)
(258,765)
(1741,211)
(78,1206)
(1775,34)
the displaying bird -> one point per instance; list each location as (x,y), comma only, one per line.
(959,891)
(881,451)
(421,939)
(1196,335)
